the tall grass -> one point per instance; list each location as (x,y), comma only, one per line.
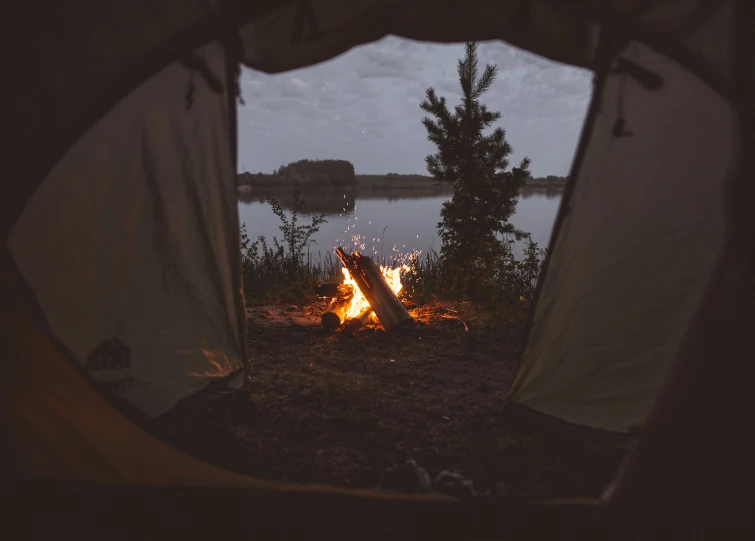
(288,271)
(507,280)
(272,275)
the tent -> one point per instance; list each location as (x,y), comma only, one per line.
(122,290)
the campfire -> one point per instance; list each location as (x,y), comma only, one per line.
(367,290)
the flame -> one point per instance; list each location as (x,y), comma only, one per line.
(358,301)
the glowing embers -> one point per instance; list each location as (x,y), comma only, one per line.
(372,289)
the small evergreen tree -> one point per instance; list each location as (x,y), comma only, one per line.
(474,230)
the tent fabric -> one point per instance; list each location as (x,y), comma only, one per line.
(72,73)
(130,244)
(313,31)
(635,251)
(104,511)
(641,231)
(694,462)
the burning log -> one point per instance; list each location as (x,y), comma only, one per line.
(389,310)
(336,314)
(355,323)
(334,289)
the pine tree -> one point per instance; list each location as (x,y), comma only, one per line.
(474,230)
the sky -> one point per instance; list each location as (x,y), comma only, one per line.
(363,106)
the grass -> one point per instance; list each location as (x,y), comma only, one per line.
(273,277)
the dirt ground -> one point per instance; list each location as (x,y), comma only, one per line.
(334,408)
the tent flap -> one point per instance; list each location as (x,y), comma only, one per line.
(130,245)
(634,252)
(306,33)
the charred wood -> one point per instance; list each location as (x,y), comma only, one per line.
(355,323)
(389,310)
(336,314)
(334,289)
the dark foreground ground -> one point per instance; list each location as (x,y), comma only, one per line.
(337,409)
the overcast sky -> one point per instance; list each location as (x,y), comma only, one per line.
(364,107)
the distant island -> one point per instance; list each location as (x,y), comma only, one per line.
(303,174)
(551,182)
(339,174)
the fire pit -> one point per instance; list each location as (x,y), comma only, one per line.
(367,291)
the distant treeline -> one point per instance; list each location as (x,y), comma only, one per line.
(304,174)
(551,181)
(396,180)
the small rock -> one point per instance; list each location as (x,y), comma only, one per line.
(454,484)
(408,477)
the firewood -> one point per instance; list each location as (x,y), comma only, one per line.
(355,323)
(336,314)
(333,289)
(389,310)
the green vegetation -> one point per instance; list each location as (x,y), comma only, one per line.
(288,271)
(476,254)
(428,277)
(304,174)
(284,271)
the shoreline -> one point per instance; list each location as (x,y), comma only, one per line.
(246,189)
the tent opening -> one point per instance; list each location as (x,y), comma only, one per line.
(334,156)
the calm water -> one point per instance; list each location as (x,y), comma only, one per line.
(386,221)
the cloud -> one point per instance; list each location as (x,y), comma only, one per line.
(294,88)
(274,104)
(254,88)
(322,110)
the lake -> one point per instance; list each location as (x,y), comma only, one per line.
(385,221)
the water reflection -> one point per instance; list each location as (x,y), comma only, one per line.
(315,202)
(548,193)
(344,202)
(384,219)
